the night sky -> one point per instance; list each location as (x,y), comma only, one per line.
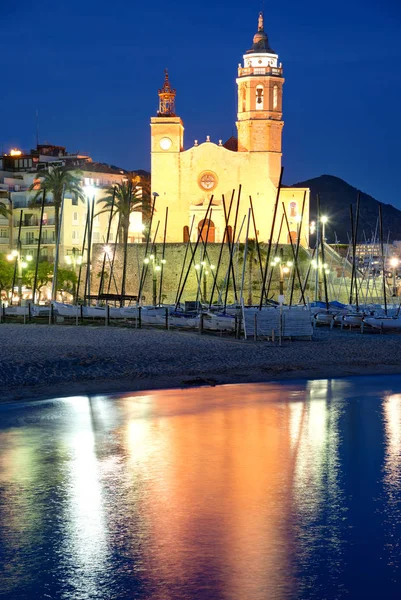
(92,69)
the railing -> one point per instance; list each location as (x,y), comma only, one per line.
(275,71)
(35,223)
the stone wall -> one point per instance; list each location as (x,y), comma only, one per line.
(172,269)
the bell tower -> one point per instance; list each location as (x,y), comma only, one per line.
(167,143)
(260,89)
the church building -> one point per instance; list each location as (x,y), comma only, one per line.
(186,180)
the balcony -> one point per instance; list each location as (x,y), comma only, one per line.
(34,222)
(273,71)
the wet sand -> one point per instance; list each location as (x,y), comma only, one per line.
(40,361)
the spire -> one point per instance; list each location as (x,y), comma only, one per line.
(260,22)
(260,40)
(166,98)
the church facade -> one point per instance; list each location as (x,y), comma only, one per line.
(208,175)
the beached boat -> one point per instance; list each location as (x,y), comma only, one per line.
(184,320)
(383,322)
(354,319)
(16,311)
(218,321)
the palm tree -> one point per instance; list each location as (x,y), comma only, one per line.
(4,210)
(131,195)
(57,181)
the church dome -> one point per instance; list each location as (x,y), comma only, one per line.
(260,40)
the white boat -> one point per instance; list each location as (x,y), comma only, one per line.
(16,311)
(324,318)
(66,310)
(354,318)
(184,320)
(383,322)
(129,312)
(218,322)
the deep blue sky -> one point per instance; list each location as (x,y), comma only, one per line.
(92,68)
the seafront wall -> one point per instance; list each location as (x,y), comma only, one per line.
(174,257)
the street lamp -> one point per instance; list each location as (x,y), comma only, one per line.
(394,264)
(323,220)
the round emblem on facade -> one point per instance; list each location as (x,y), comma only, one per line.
(165,143)
(207,180)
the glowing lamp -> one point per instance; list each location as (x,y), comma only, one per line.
(197,267)
(68,259)
(15,152)
(163,261)
(14,252)
(89,190)
(324,219)
(286,270)
(146,261)
(10,257)
(29,258)
(24,264)
(212,267)
(394,262)
(158,267)
(289,263)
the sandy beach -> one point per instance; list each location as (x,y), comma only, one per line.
(40,361)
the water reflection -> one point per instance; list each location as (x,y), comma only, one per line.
(392,479)
(235,492)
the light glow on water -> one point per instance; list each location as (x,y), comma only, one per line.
(285,492)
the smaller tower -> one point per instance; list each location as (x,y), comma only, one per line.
(167,143)
(166,98)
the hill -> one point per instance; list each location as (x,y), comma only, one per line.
(336,196)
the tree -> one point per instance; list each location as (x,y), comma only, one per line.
(131,195)
(5,210)
(56,181)
(6,274)
(45,276)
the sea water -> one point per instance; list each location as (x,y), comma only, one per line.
(249,492)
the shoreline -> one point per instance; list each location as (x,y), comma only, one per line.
(110,388)
(44,362)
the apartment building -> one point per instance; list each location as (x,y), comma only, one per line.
(19,171)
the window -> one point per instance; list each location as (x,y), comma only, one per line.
(293,209)
(74,201)
(275,97)
(96,236)
(75,217)
(111,237)
(3,233)
(29,237)
(75,235)
(259,97)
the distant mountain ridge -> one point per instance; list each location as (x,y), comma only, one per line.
(336,195)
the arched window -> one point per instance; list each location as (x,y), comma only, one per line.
(292,237)
(206,226)
(243,99)
(229,234)
(259,97)
(275,97)
(293,209)
(186,234)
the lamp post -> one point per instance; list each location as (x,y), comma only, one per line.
(323,220)
(394,264)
